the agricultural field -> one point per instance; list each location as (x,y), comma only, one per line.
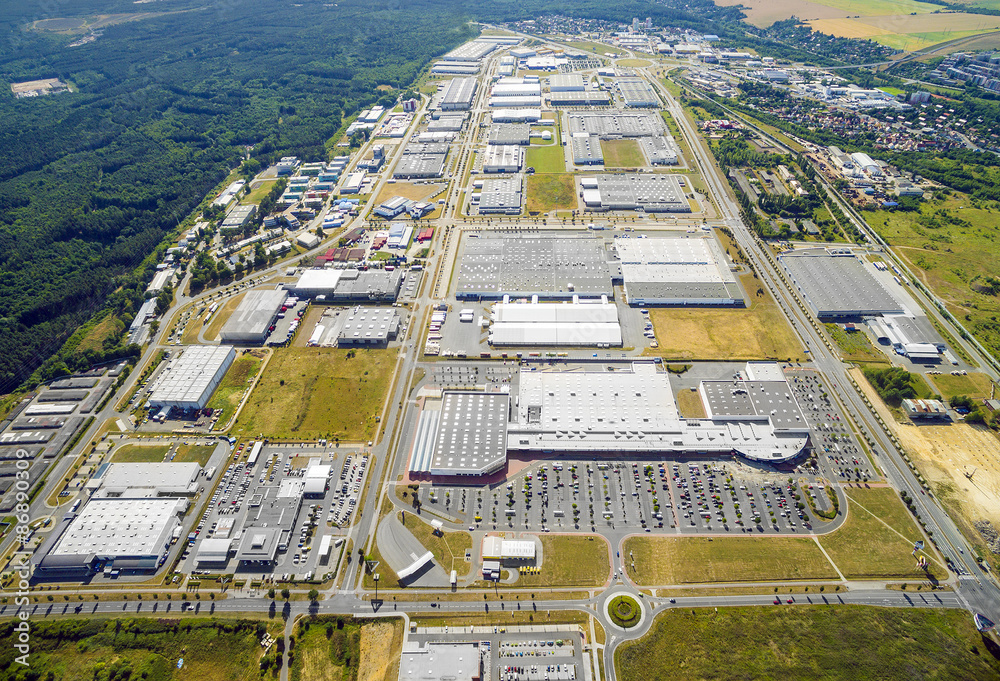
(330,647)
(550,192)
(909,32)
(765,12)
(319,393)
(756,332)
(622,154)
(877,539)
(140,648)
(810,642)
(952,246)
(695,560)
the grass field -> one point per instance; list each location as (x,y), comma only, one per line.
(550,192)
(765,12)
(99,332)
(951,245)
(756,332)
(408,190)
(234,384)
(695,560)
(546,159)
(855,347)
(449,549)
(877,542)
(327,648)
(141,648)
(571,560)
(976,385)
(262,189)
(689,404)
(140,453)
(622,154)
(634,63)
(197,453)
(319,392)
(809,642)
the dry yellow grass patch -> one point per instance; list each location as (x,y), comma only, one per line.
(689,404)
(380,645)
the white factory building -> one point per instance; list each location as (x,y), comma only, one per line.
(130,534)
(189,380)
(503,158)
(145,479)
(590,323)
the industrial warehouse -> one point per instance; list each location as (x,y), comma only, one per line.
(835,283)
(629,411)
(680,270)
(501,196)
(614,125)
(647,193)
(592,323)
(506,158)
(369,326)
(458,94)
(550,267)
(190,379)
(421,160)
(349,286)
(251,322)
(637,93)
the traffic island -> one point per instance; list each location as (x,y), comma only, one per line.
(624,611)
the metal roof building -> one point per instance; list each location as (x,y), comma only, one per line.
(612,125)
(510,133)
(637,93)
(133,533)
(512,102)
(633,412)
(505,158)
(551,267)
(650,193)
(516,115)
(471,436)
(369,326)
(837,284)
(677,271)
(458,94)
(579,98)
(659,150)
(440,661)
(422,159)
(506,88)
(252,319)
(161,479)
(566,82)
(501,195)
(586,150)
(471,51)
(189,380)
(461,68)
(593,324)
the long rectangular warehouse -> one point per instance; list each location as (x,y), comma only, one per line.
(590,324)
(649,193)
(189,380)
(458,94)
(677,271)
(553,267)
(835,283)
(252,320)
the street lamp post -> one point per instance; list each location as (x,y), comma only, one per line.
(376,586)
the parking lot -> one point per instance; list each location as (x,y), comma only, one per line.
(244,485)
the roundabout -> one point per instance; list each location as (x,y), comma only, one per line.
(624,611)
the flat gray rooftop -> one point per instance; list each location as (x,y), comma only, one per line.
(616,124)
(547,266)
(264,525)
(254,315)
(771,400)
(369,325)
(651,193)
(510,133)
(472,434)
(838,285)
(415,165)
(637,92)
(587,150)
(678,270)
(501,195)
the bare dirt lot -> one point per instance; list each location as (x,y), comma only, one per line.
(945,454)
